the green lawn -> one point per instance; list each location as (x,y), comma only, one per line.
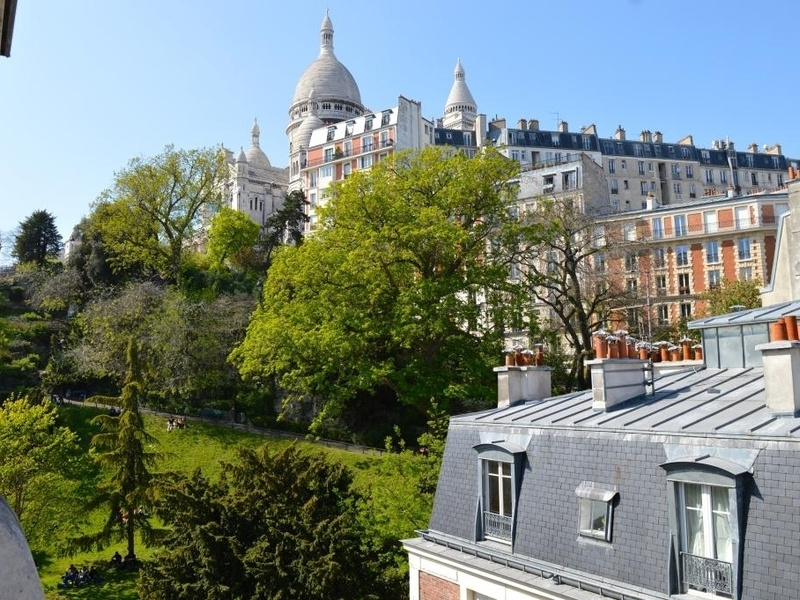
(199,445)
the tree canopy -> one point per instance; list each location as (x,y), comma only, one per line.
(403,290)
(37,240)
(731,295)
(280,524)
(149,217)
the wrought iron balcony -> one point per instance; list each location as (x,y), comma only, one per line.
(707,574)
(497,526)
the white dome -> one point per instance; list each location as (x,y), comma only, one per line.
(460,97)
(326,76)
(255,155)
(17,569)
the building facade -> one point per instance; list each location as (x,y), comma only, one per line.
(676,483)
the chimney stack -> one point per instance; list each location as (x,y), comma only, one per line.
(646,136)
(781,362)
(533,125)
(658,137)
(615,381)
(563,126)
(753,148)
(619,134)
(522,124)
(522,384)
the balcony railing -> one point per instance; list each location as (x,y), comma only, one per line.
(496,526)
(341,154)
(707,574)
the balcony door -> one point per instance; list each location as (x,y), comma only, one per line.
(706,548)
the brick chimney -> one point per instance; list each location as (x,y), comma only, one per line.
(521,384)
(615,381)
(781,376)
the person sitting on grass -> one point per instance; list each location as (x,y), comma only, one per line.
(116,560)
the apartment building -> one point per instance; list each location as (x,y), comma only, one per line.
(337,150)
(677,252)
(649,166)
(653,485)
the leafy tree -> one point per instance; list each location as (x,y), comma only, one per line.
(393,512)
(37,240)
(39,467)
(232,237)
(399,294)
(280,524)
(155,209)
(121,448)
(732,293)
(569,269)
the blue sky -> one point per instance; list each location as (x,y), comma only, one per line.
(91,84)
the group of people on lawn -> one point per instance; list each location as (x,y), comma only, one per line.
(172,423)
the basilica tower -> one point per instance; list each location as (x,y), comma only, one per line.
(460,110)
(325,93)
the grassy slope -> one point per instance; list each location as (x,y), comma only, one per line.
(199,445)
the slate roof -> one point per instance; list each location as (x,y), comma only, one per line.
(702,401)
(765,314)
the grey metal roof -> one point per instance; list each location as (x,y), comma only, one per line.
(709,402)
(764,314)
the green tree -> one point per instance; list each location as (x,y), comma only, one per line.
(155,209)
(37,240)
(280,524)
(232,237)
(39,467)
(286,225)
(121,447)
(732,294)
(401,293)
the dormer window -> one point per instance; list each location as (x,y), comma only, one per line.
(385,116)
(501,472)
(348,128)
(596,510)
(331,133)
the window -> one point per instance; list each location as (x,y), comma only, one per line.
(686,310)
(712,252)
(366,144)
(500,467)
(709,495)
(327,154)
(331,133)
(710,176)
(661,285)
(614,186)
(348,128)
(689,171)
(640,166)
(631,285)
(659,258)
(676,188)
(692,191)
(658,228)
(625,184)
(630,261)
(365,162)
(548,183)
(368,123)
(663,314)
(326,171)
(683,284)
(746,273)
(612,165)
(713,279)
(676,171)
(680,225)
(743,248)
(312,179)
(629,232)
(682,256)
(596,510)
(723,176)
(385,117)
(599,263)
(643,187)
(346,170)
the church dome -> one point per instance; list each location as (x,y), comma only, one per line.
(460,98)
(254,154)
(329,78)
(17,569)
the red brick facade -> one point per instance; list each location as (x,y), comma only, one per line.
(436,588)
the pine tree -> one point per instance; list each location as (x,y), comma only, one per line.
(120,448)
(38,239)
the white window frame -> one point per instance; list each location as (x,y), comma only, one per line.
(500,467)
(596,510)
